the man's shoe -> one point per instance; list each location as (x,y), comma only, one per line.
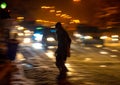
(61,76)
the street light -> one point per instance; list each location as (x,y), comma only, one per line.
(52,10)
(76,0)
(47,7)
(59,11)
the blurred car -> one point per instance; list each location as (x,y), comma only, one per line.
(111,39)
(45,36)
(87,39)
(86,34)
(49,39)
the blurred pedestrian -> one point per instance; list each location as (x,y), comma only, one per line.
(63,50)
(12,46)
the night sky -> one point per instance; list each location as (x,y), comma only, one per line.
(30,9)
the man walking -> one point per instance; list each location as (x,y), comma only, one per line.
(63,50)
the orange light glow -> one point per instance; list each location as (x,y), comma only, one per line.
(76,0)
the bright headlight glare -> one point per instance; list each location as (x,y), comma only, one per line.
(77,34)
(115,39)
(20,34)
(37,45)
(103,37)
(26,40)
(114,36)
(88,37)
(50,39)
(38,37)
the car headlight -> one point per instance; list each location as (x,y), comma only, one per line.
(103,37)
(50,39)
(38,37)
(26,40)
(37,45)
(88,37)
(115,37)
(20,34)
(76,34)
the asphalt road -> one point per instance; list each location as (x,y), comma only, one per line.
(88,65)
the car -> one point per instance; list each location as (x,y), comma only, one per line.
(49,39)
(46,37)
(87,35)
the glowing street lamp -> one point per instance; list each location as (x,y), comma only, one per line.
(59,11)
(52,10)
(47,7)
(76,21)
(76,0)
(58,14)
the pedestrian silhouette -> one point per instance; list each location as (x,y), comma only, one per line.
(63,49)
(12,46)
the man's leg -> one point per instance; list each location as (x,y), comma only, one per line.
(62,74)
(58,63)
(64,68)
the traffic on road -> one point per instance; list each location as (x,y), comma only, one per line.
(92,65)
(45,37)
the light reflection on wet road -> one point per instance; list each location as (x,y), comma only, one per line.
(87,66)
